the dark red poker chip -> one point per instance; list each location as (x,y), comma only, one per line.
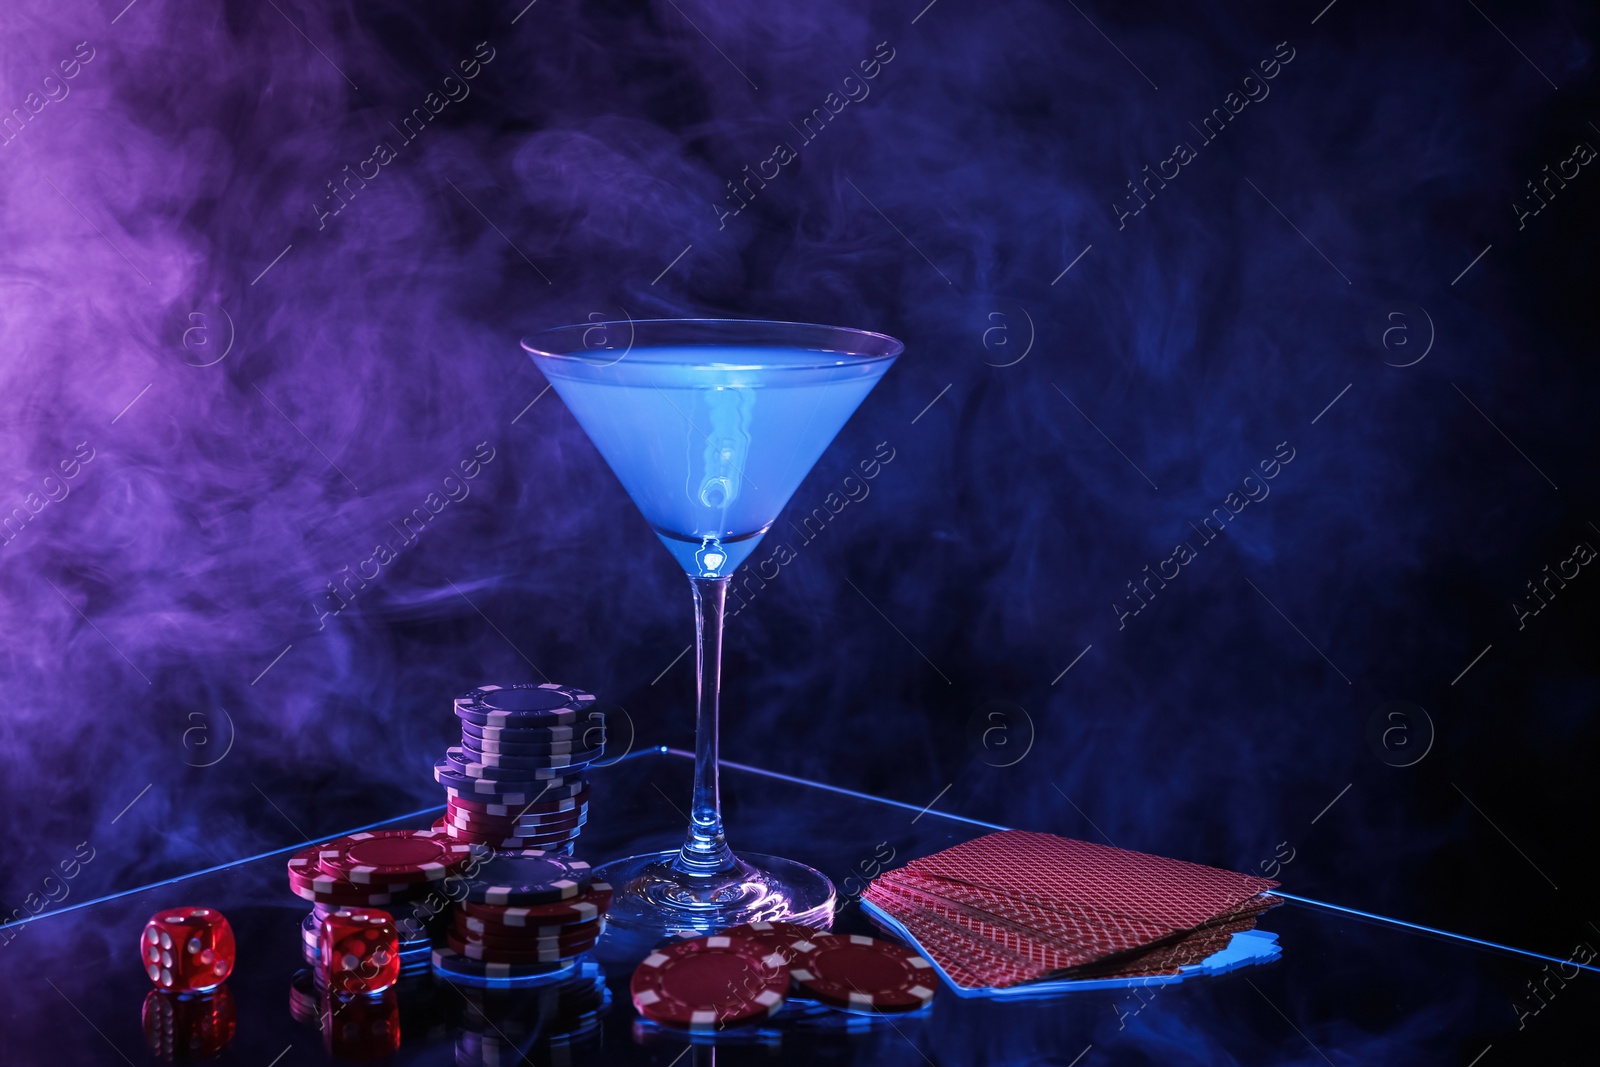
(309,881)
(394,856)
(709,983)
(862,973)
(581,908)
(776,936)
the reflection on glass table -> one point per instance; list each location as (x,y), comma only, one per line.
(1347,990)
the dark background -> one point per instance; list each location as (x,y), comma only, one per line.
(258,423)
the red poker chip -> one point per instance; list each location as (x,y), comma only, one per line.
(532,807)
(862,973)
(472,929)
(532,952)
(309,880)
(394,856)
(709,983)
(776,936)
(581,908)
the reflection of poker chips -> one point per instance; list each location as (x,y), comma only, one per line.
(543,806)
(473,927)
(709,983)
(510,794)
(458,968)
(528,877)
(508,827)
(506,761)
(547,950)
(530,743)
(513,825)
(522,705)
(394,856)
(580,908)
(542,841)
(459,763)
(305,999)
(862,973)
(512,937)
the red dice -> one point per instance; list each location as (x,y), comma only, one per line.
(187,950)
(360,951)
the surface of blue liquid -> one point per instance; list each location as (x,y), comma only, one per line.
(712,440)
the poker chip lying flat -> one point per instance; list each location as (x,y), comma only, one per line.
(523,705)
(459,763)
(548,806)
(862,973)
(528,877)
(309,881)
(778,937)
(710,983)
(394,856)
(511,794)
(580,908)
(458,968)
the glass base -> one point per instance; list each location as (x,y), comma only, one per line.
(651,899)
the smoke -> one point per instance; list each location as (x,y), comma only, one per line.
(269,266)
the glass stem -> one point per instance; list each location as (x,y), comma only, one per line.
(705,850)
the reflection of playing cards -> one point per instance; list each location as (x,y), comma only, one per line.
(1015,906)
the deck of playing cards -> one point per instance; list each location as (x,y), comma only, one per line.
(1017,907)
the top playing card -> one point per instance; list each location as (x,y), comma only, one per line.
(1050,872)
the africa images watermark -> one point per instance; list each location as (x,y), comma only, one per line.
(855,90)
(1185,553)
(384,153)
(411,526)
(851,490)
(1210,128)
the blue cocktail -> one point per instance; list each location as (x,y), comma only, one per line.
(711,424)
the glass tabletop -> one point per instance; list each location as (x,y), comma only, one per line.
(1348,989)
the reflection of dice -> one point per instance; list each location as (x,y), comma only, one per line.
(362,1028)
(185,1026)
(360,950)
(187,949)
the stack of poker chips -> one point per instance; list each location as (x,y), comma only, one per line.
(525,918)
(745,975)
(395,870)
(558,1022)
(516,780)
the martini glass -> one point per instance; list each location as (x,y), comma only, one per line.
(710,425)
